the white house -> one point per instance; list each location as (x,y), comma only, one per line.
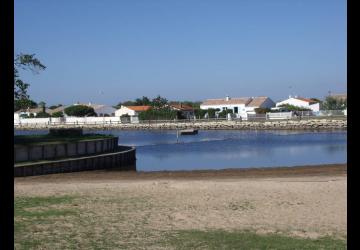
(29,111)
(301,103)
(241,106)
(131,110)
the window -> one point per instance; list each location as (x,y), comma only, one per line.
(236,110)
(223,108)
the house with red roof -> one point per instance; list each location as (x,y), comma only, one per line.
(185,110)
(301,102)
(131,110)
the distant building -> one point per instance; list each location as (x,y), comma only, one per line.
(186,110)
(131,110)
(241,106)
(33,111)
(100,109)
(339,97)
(301,103)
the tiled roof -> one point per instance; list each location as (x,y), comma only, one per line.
(139,108)
(257,101)
(58,109)
(223,101)
(248,101)
(305,99)
(182,107)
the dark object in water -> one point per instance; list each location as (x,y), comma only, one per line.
(188,132)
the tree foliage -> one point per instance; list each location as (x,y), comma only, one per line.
(57,114)
(24,62)
(24,104)
(80,111)
(290,107)
(332,103)
(42,115)
(262,110)
(159,114)
(159,102)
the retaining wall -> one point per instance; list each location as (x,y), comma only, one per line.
(123,159)
(51,151)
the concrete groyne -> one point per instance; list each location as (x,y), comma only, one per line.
(205,125)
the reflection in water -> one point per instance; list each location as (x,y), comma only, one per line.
(158,150)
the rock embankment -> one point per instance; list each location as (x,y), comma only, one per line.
(236,125)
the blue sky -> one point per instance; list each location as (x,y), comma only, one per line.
(116,50)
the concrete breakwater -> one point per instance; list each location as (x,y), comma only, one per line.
(236,125)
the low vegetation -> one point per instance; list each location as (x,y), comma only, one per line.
(75,222)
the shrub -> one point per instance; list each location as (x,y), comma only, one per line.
(58,114)
(290,107)
(80,111)
(200,112)
(42,115)
(262,110)
(158,114)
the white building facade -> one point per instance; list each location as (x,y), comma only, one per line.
(241,106)
(131,110)
(301,103)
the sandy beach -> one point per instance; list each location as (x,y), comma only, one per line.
(307,201)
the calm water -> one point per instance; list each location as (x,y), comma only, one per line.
(159,150)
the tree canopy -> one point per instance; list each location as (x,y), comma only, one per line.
(24,62)
(332,103)
(80,111)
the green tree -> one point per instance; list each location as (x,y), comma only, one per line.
(58,114)
(24,104)
(42,115)
(294,108)
(24,62)
(144,101)
(80,111)
(332,103)
(42,106)
(262,110)
(159,102)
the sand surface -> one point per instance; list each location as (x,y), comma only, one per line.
(303,201)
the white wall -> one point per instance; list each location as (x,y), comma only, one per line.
(124,110)
(299,103)
(228,106)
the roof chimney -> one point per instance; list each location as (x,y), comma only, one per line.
(227,98)
(289,96)
(89,103)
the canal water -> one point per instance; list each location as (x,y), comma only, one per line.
(221,149)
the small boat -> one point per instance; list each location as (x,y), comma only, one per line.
(188,132)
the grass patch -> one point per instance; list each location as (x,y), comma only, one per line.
(48,139)
(194,239)
(32,212)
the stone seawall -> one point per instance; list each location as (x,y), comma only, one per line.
(236,125)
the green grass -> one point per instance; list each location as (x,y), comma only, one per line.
(194,239)
(44,223)
(32,212)
(42,139)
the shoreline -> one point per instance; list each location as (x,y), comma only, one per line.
(233,173)
(305,124)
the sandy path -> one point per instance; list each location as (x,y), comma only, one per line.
(305,202)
